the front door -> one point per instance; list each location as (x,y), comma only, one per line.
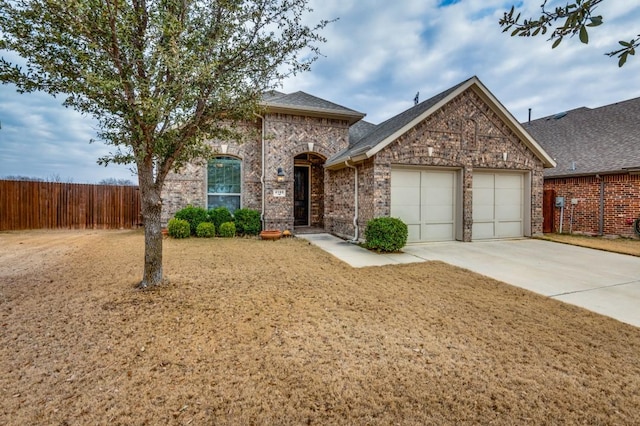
(301,196)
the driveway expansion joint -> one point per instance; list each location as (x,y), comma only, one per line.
(594,288)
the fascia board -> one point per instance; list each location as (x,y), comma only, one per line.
(352,117)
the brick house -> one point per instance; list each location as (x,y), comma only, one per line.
(598,168)
(457,166)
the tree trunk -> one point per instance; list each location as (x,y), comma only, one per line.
(151,212)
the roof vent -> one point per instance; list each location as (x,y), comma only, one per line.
(559,115)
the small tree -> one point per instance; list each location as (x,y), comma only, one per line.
(569,20)
(160,76)
(114,181)
(23,178)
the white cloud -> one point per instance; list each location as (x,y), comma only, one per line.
(378,55)
(41,138)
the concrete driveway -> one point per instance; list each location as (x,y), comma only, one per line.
(607,283)
(602,282)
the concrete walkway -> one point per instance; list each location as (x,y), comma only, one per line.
(606,283)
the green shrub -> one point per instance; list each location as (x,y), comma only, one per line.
(178,228)
(386,234)
(206,230)
(194,215)
(228,229)
(218,216)
(247,221)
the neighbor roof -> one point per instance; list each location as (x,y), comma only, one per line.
(390,130)
(295,103)
(587,141)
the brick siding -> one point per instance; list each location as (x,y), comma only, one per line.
(286,136)
(621,203)
(465,134)
(189,185)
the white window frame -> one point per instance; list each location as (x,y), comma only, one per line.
(238,194)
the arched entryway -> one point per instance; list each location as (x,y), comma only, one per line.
(308,190)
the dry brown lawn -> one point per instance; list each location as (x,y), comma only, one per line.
(258,332)
(618,245)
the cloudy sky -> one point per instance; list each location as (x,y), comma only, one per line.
(378,55)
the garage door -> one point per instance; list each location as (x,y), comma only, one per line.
(497,205)
(425,201)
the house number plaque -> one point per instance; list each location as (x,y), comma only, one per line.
(279,192)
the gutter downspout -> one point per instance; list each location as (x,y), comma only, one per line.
(355,215)
(263,167)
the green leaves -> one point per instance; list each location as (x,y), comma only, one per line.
(595,21)
(628,48)
(569,20)
(556,43)
(584,36)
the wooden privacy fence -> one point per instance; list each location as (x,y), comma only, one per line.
(36,205)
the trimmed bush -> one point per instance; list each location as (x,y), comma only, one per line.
(247,221)
(178,228)
(218,216)
(194,215)
(206,230)
(228,230)
(386,234)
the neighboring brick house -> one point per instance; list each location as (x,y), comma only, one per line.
(598,168)
(455,167)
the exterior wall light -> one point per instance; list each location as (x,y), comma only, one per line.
(280,176)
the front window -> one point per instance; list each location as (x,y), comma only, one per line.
(224,183)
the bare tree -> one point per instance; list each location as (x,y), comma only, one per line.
(114,181)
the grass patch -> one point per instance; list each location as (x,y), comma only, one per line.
(616,245)
(283,333)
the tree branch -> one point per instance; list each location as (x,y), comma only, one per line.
(569,20)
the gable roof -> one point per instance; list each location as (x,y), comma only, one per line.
(390,130)
(301,102)
(587,141)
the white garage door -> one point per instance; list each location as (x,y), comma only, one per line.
(425,201)
(498,200)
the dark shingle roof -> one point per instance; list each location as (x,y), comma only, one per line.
(360,130)
(587,141)
(382,135)
(301,101)
(389,127)
(271,94)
